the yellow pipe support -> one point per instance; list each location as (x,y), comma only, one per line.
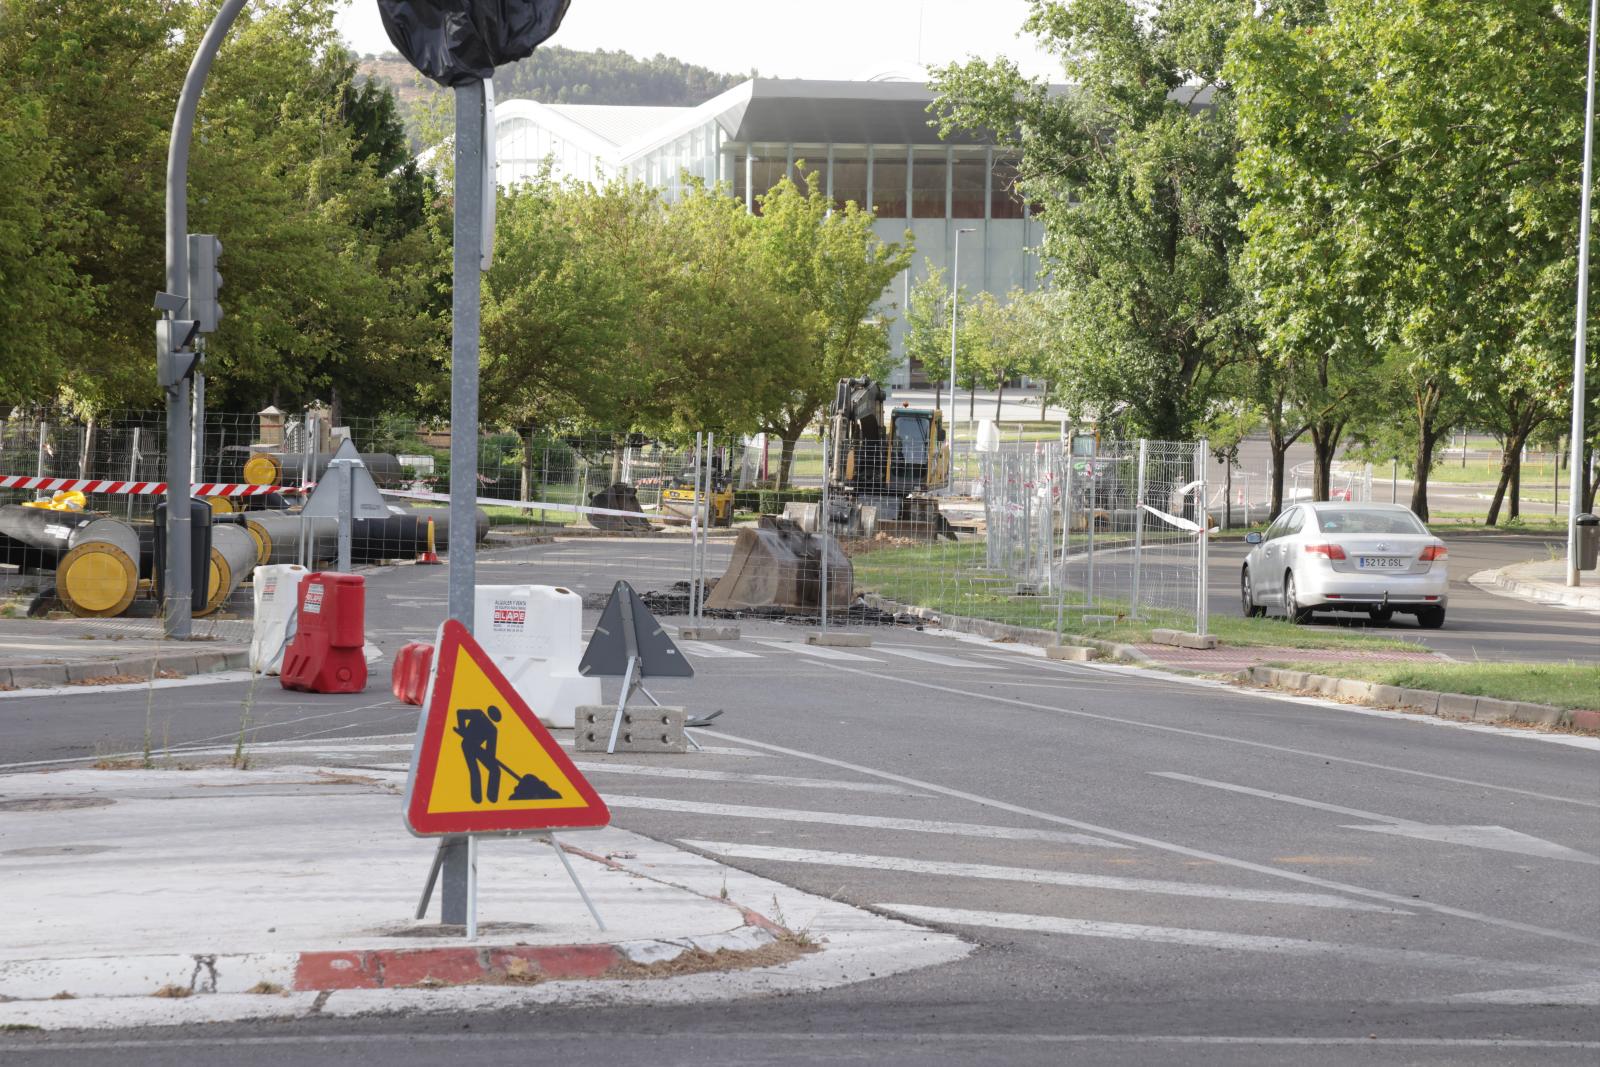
(261,469)
(99,575)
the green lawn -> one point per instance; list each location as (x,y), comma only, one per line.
(1564,685)
(950,578)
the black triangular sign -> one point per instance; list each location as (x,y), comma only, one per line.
(609,649)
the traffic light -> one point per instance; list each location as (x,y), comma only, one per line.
(205,281)
(175,355)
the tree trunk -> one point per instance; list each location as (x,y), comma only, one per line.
(1593,484)
(1044,399)
(1280,457)
(999,391)
(1426,439)
(786,460)
(527,464)
(1325,442)
(972,401)
(1227,496)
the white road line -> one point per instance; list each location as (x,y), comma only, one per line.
(934,657)
(1218,939)
(782,781)
(1324,756)
(816,651)
(876,822)
(1157,843)
(1498,838)
(710,651)
(1583,994)
(44,692)
(1035,877)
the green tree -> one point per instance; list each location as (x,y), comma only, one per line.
(837,269)
(927,330)
(1132,173)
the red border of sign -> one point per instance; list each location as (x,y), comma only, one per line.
(425,756)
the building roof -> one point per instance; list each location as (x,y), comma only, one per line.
(619,125)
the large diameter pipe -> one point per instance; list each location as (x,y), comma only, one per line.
(44,535)
(233,558)
(98,576)
(267,468)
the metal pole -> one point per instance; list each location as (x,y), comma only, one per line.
(1064,485)
(1138,526)
(705,530)
(1580,353)
(346,480)
(1202,586)
(1555,496)
(464,305)
(197,457)
(307,464)
(822,528)
(44,436)
(955,294)
(133,468)
(694,537)
(176,620)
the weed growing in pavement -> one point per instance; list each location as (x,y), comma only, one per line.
(173,992)
(241,761)
(265,988)
(724,893)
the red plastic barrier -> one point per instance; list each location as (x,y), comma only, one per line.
(326,654)
(409,680)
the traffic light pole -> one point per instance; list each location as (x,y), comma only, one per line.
(176,618)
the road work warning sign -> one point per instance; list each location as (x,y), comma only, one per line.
(482,762)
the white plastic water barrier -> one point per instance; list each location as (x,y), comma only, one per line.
(534,633)
(276,589)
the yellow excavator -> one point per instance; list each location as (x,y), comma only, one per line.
(679,500)
(886,466)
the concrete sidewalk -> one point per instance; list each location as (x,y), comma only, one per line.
(37,652)
(1542,581)
(143,897)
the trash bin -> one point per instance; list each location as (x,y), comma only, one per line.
(199,560)
(1588,542)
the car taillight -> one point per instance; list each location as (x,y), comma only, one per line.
(1325,551)
(1434,552)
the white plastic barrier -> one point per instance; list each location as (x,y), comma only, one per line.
(276,588)
(534,633)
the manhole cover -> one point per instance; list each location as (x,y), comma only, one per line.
(59,850)
(54,803)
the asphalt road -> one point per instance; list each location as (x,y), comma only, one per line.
(1153,870)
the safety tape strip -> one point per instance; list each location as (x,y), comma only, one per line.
(104,485)
(527,505)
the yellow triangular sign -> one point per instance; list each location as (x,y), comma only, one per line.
(482,762)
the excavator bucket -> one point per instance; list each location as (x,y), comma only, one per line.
(618,497)
(779,565)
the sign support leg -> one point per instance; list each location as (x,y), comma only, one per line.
(472,887)
(561,854)
(628,682)
(433,878)
(453,862)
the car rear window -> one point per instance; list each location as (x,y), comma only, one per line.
(1362,521)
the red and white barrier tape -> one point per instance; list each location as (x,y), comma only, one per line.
(526,505)
(104,485)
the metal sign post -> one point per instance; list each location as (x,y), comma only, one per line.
(1202,586)
(1138,528)
(823,524)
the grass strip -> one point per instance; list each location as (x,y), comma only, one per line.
(1565,685)
(953,579)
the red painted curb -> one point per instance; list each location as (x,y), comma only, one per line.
(1586,720)
(394,968)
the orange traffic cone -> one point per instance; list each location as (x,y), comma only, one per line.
(429,557)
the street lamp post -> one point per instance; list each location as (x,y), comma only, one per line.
(1580,345)
(955,289)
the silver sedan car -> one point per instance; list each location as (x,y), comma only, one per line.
(1371,558)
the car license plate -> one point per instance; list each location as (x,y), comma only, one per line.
(1382,563)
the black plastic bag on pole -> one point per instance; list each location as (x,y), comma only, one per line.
(455,42)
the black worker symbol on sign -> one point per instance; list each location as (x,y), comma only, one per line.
(480,733)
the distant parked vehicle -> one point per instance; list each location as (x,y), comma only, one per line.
(1371,558)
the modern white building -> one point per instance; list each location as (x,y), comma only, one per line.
(870,142)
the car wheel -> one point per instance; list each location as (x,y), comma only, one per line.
(1430,618)
(1291,604)
(1382,615)
(1247,597)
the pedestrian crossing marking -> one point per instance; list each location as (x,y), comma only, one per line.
(710,651)
(934,657)
(816,651)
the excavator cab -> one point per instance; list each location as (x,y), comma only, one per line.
(919,454)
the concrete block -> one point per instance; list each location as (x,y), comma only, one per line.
(205,662)
(1353,689)
(1582,720)
(239,660)
(832,639)
(44,674)
(643,729)
(1290,679)
(1099,620)
(1491,710)
(1199,641)
(184,665)
(1457,705)
(138,666)
(1071,653)
(5,677)
(1160,636)
(709,633)
(1538,714)
(1421,699)
(1388,696)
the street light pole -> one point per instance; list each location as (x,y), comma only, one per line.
(955,290)
(1580,345)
